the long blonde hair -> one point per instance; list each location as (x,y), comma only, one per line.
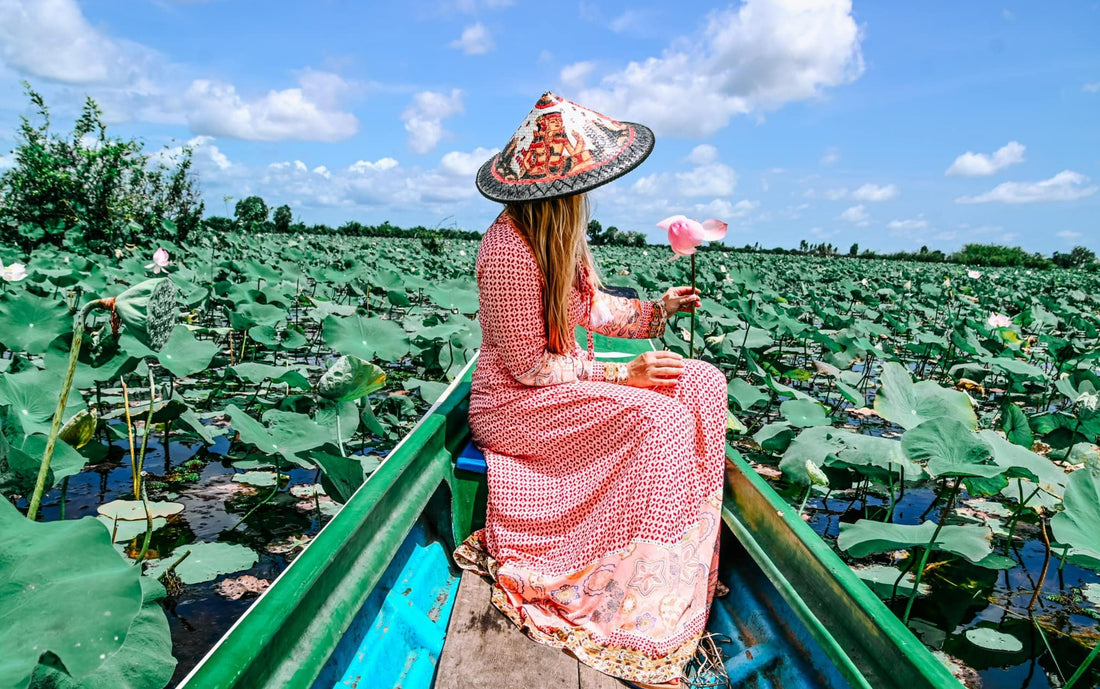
(555,230)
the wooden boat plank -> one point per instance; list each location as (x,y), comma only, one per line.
(484,650)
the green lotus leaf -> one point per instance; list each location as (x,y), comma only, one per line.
(29,323)
(134,510)
(993,640)
(259,479)
(149,311)
(745,395)
(366,337)
(430,391)
(350,378)
(881,579)
(277,337)
(183,355)
(66,591)
(65,462)
(32,396)
(1015,425)
(340,419)
(247,313)
(774,437)
(1076,525)
(206,561)
(909,405)
(283,433)
(867,537)
(804,413)
(949,449)
(257,373)
(1022,462)
(824,446)
(342,476)
(126,531)
(459,294)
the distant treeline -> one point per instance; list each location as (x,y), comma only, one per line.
(990,255)
(252,214)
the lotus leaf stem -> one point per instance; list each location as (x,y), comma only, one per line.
(1043,636)
(928,550)
(1083,667)
(144,440)
(148,531)
(274,490)
(1046,563)
(62,399)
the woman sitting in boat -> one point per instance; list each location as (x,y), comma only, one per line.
(605,478)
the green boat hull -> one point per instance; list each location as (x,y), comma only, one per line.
(294,631)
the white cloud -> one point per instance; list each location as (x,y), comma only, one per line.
(712,179)
(909,225)
(830,157)
(380,165)
(756,58)
(473,6)
(460,163)
(873,192)
(1064,186)
(703,154)
(424,118)
(52,39)
(1068,234)
(857,215)
(1091,87)
(828,194)
(575,76)
(308,113)
(475,40)
(972,164)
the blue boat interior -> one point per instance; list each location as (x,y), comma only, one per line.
(397,637)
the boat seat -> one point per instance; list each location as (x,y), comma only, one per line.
(471,459)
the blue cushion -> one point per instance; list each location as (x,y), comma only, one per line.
(471,459)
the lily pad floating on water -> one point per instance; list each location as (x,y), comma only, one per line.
(881,578)
(125,530)
(993,640)
(259,479)
(134,510)
(206,561)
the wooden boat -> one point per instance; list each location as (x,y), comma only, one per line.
(371,602)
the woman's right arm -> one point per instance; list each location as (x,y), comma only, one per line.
(510,302)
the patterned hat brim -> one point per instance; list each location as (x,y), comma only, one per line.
(632,156)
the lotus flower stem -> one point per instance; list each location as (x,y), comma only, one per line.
(129,434)
(691,345)
(63,398)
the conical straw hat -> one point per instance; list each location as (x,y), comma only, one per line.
(560,149)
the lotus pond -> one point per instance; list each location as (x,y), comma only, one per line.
(937,426)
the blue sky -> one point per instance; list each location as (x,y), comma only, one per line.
(893,125)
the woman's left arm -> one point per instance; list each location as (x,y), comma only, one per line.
(634,318)
(623,317)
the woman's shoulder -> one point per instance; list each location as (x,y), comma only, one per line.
(503,240)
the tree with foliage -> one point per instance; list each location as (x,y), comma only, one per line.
(282,218)
(90,191)
(1079,257)
(250,211)
(853,250)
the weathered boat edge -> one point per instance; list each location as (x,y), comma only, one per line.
(287,634)
(863,637)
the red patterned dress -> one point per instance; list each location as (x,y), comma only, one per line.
(604,499)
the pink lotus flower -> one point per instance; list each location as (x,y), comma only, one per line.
(999,320)
(13,272)
(160,261)
(684,234)
(973,274)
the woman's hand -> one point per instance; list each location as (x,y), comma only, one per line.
(679,299)
(654,368)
